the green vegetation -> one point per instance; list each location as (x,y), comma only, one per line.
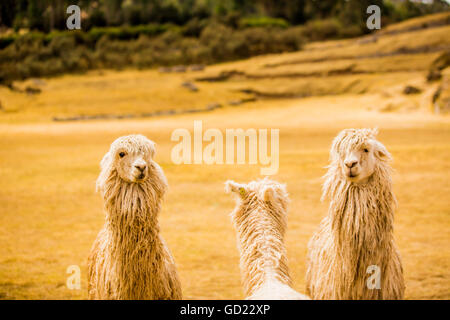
(264,22)
(37,54)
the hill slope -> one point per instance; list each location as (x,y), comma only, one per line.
(382,64)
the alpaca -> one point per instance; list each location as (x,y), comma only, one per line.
(356,238)
(129,259)
(260,222)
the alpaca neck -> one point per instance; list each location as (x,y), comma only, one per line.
(132,210)
(134,248)
(263,256)
(361,218)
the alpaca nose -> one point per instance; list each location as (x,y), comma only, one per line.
(140,167)
(351,164)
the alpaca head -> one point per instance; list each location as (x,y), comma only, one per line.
(130,158)
(265,196)
(356,153)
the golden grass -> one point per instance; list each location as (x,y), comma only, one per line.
(106,92)
(50,214)
(402,62)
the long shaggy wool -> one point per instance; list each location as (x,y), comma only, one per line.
(356,233)
(260,222)
(129,259)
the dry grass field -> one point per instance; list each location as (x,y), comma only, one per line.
(50,213)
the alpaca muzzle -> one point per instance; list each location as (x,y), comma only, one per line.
(140,170)
(352,173)
(140,174)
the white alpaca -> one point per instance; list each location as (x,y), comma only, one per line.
(129,259)
(260,222)
(353,254)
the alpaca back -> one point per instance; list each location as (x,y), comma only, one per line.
(260,222)
(273,289)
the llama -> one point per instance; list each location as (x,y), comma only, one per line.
(129,259)
(356,238)
(260,222)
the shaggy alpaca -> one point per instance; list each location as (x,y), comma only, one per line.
(260,222)
(357,234)
(129,259)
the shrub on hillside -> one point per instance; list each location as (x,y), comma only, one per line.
(38,54)
(317,30)
(263,22)
(127,32)
(194,28)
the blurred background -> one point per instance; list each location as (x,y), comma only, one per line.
(148,33)
(308,68)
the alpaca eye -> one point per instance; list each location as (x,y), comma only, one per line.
(366,150)
(122,154)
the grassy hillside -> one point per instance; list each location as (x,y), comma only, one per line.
(381,64)
(50,213)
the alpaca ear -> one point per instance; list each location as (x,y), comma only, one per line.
(231,186)
(269,194)
(381,152)
(106,160)
(374,132)
(152,149)
(336,146)
(105,166)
